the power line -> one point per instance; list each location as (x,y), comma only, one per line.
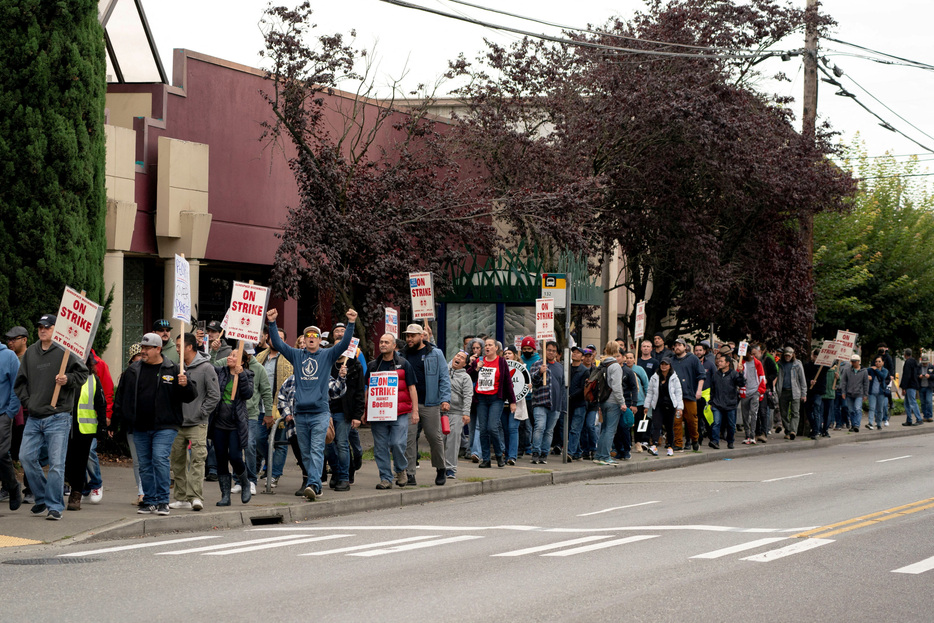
(589,44)
(888,177)
(887,108)
(906,60)
(881,61)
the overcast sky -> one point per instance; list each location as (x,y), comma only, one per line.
(229,29)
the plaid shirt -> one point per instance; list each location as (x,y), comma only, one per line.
(285,401)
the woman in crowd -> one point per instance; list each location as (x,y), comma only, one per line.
(493,387)
(665,399)
(611,409)
(228,427)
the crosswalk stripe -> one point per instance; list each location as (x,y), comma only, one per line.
(209,548)
(919,567)
(603,545)
(356,548)
(253,548)
(742,547)
(122,548)
(796,548)
(558,545)
(420,545)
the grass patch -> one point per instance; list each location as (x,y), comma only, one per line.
(540,471)
(474,479)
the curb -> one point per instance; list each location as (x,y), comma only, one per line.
(131,528)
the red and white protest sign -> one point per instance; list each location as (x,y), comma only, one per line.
(382,401)
(640,321)
(741,350)
(544,319)
(848,341)
(829,353)
(391,322)
(247,314)
(352,349)
(423,296)
(77,322)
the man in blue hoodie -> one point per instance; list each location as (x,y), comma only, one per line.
(312,372)
(9,406)
(530,357)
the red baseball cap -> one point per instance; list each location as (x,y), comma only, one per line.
(528,341)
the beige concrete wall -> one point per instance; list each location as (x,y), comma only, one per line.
(182,191)
(120,169)
(124,106)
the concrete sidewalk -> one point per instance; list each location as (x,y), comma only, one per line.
(115,516)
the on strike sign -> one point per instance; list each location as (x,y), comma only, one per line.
(640,320)
(78,318)
(247,313)
(848,342)
(829,353)
(544,319)
(382,402)
(351,351)
(391,323)
(743,347)
(182,307)
(423,296)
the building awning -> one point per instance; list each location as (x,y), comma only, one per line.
(132,56)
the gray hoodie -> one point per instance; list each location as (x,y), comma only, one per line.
(200,409)
(461,391)
(35,381)
(854,383)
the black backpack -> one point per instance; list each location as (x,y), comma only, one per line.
(596,389)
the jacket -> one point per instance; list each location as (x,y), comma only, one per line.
(879,378)
(437,382)
(261,401)
(853,382)
(579,376)
(403,370)
(760,375)
(549,396)
(201,373)
(642,384)
(35,380)
(107,382)
(100,408)
(238,402)
(690,371)
(799,385)
(461,391)
(506,391)
(724,389)
(9,368)
(909,380)
(674,391)
(169,399)
(615,380)
(284,370)
(350,398)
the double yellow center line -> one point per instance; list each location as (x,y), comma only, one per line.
(866,520)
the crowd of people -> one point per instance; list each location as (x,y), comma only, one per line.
(198,410)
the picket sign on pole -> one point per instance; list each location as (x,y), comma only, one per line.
(639,333)
(391,322)
(828,355)
(422,291)
(544,327)
(741,350)
(75,327)
(182,307)
(247,318)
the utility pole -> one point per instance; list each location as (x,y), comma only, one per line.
(809,121)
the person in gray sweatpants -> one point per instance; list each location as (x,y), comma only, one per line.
(459,415)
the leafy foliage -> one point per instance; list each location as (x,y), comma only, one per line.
(52,196)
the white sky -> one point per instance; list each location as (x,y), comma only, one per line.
(229,29)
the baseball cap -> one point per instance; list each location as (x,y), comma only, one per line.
(338,325)
(592,347)
(705,343)
(588,350)
(577,348)
(132,351)
(788,350)
(528,342)
(414,329)
(681,341)
(854,357)
(16,332)
(249,348)
(214,325)
(161,324)
(151,339)
(47,320)
(312,329)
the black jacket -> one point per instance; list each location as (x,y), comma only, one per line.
(353,401)
(724,389)
(244,393)
(169,399)
(910,372)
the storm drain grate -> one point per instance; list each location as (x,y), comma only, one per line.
(49,561)
(266,520)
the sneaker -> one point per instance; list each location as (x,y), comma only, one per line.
(310,494)
(182,505)
(162,509)
(474,458)
(16,497)
(54,515)
(484,464)
(729,445)
(653,450)
(236,488)
(746,441)
(96,495)
(695,445)
(342,485)
(410,481)
(627,456)
(612,461)
(211,477)
(147,509)
(500,461)
(886,423)
(791,436)
(600,462)
(713,445)
(384,485)
(679,449)
(252,488)
(870,427)
(513,461)
(196,504)
(670,452)
(275,482)
(401,479)
(752,442)
(299,493)
(449,474)
(39,509)
(541,460)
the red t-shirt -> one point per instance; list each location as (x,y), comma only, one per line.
(488,378)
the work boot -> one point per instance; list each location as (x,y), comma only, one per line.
(74,500)
(224,482)
(245,491)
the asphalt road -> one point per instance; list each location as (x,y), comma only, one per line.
(842,534)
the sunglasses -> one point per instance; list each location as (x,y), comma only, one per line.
(312,334)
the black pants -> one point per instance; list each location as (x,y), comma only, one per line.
(637,436)
(227,449)
(76,461)
(7,473)
(663,417)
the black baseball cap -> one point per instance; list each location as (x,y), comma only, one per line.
(161,324)
(16,332)
(214,325)
(47,320)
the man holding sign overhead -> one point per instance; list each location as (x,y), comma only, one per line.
(48,425)
(312,373)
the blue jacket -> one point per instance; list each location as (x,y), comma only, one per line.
(437,380)
(556,399)
(9,367)
(639,371)
(312,370)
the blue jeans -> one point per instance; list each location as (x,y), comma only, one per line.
(390,438)
(911,405)
(489,411)
(505,428)
(611,413)
(475,448)
(574,430)
(512,451)
(50,432)
(210,463)
(816,415)
(924,397)
(878,408)
(854,404)
(545,421)
(339,450)
(249,453)
(153,448)
(718,416)
(830,412)
(589,433)
(311,430)
(279,453)
(94,470)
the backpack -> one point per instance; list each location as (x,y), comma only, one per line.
(596,389)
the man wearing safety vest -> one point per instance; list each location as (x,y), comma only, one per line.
(90,416)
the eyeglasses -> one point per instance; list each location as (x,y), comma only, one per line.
(312,334)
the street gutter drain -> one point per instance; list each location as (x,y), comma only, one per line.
(266,520)
(49,561)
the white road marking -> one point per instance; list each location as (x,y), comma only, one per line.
(603,545)
(801,546)
(616,508)
(425,528)
(210,548)
(760,530)
(789,477)
(701,528)
(253,548)
(907,456)
(421,545)
(796,530)
(559,544)
(355,548)
(919,567)
(742,547)
(138,546)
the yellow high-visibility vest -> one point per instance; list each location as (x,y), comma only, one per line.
(87,416)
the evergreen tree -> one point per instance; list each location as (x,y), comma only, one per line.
(52,154)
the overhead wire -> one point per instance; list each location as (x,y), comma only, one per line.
(882,61)
(906,60)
